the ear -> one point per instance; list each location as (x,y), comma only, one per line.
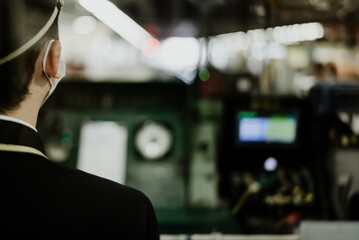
(52,61)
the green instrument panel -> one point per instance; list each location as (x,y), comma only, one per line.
(158,122)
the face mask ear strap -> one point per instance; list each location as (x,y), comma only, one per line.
(36,38)
(45,58)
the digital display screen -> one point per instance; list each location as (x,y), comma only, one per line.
(260,127)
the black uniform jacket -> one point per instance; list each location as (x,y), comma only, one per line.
(42,200)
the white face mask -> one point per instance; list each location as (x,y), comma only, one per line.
(61,72)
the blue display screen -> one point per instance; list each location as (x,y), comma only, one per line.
(270,128)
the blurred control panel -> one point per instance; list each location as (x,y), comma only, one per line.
(130,133)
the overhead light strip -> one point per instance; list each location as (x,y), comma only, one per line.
(117,20)
(286,35)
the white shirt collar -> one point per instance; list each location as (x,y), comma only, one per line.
(12,119)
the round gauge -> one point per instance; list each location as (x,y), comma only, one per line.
(153,140)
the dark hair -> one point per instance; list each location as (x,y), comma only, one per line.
(20,20)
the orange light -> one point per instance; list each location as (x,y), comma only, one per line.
(150,46)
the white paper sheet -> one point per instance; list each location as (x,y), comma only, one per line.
(103,150)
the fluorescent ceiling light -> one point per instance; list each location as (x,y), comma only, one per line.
(117,20)
(282,34)
(218,53)
(84,24)
(178,53)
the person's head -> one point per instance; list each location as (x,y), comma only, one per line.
(26,29)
